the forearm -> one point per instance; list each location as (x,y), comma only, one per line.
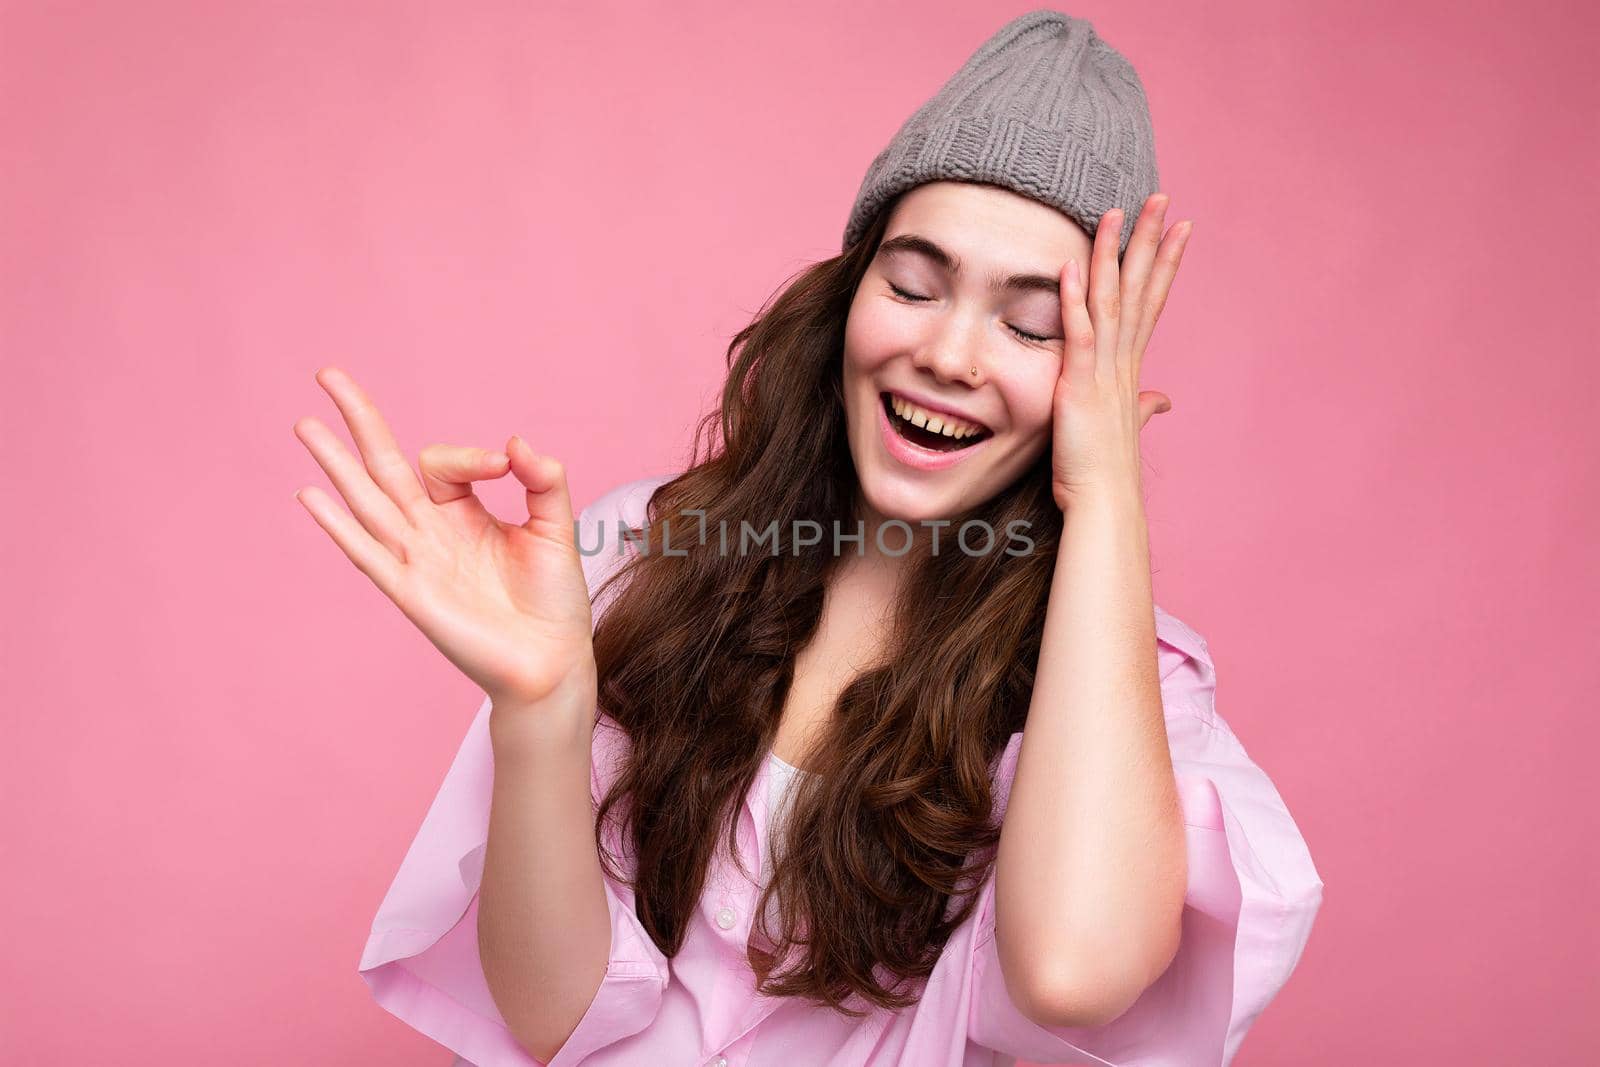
(1090,873)
(544,930)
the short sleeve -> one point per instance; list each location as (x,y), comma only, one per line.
(1251,898)
(421,960)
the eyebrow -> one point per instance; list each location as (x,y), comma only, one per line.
(916,243)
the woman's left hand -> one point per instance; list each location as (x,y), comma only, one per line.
(1098,408)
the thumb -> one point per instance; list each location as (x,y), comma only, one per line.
(545,479)
(1152,403)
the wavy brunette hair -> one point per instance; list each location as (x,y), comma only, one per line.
(892,831)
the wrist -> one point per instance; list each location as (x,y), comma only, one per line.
(1110,527)
(561,723)
(1118,501)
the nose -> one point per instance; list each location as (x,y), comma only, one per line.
(951,357)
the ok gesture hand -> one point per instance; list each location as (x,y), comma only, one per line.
(507,604)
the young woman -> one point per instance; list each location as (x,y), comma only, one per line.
(862,741)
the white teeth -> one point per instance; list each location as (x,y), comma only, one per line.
(932,422)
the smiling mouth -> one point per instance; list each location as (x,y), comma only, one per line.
(933,440)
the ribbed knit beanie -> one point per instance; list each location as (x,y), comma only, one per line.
(1044,108)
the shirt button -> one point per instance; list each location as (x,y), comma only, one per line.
(720,1061)
(725,919)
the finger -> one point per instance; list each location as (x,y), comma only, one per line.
(1152,403)
(379,451)
(370,557)
(1166,268)
(448,471)
(1137,263)
(1105,292)
(371,505)
(1076,326)
(549,503)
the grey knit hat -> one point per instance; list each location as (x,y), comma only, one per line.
(1044,108)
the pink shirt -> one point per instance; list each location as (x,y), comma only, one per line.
(1252,895)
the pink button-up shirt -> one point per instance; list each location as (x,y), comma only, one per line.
(1252,895)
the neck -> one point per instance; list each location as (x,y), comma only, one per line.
(887,567)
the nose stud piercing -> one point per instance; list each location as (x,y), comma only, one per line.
(974,370)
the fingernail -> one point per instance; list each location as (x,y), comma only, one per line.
(498,458)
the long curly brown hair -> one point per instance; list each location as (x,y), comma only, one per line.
(891,833)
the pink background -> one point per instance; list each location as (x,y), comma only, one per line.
(1376,495)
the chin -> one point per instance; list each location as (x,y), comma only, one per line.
(896,498)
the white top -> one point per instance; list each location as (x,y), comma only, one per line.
(777,795)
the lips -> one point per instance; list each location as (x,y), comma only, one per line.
(920,449)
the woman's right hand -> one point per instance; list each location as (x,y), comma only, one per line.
(507,604)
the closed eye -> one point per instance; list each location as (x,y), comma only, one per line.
(915,299)
(903,295)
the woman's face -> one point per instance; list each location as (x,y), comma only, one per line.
(978,274)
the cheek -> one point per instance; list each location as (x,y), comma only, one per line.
(1029,393)
(872,336)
